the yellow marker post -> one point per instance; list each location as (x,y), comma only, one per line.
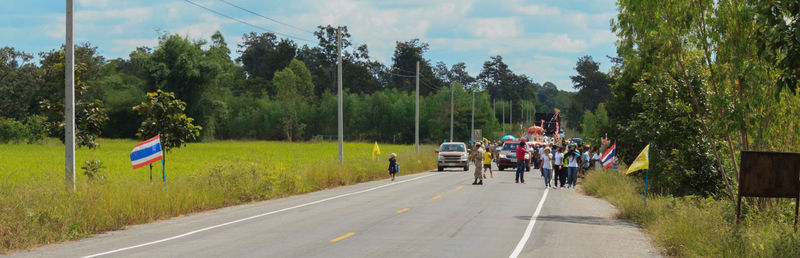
(342,237)
(436,197)
(403,210)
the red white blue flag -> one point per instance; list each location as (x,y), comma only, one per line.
(608,157)
(146,152)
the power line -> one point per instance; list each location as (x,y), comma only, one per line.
(401,75)
(265,17)
(244,22)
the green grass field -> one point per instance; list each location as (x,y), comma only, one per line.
(35,208)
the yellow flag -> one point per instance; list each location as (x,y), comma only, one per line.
(641,162)
(376,151)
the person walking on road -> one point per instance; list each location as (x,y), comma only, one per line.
(521,151)
(393,165)
(573,158)
(487,163)
(547,167)
(477,160)
(558,161)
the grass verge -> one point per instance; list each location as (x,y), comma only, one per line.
(692,226)
(35,208)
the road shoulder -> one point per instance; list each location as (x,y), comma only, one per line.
(573,224)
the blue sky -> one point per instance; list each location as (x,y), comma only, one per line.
(542,39)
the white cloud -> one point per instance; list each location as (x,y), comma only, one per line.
(128,45)
(198,31)
(496,27)
(129,14)
(538,10)
(544,68)
(93,3)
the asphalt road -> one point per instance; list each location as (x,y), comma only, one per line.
(433,214)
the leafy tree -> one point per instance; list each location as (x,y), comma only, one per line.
(404,65)
(20,80)
(294,86)
(777,40)
(504,84)
(164,115)
(90,113)
(263,54)
(181,66)
(592,85)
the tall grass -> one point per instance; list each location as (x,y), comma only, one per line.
(35,209)
(693,226)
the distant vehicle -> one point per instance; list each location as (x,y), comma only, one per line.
(453,154)
(508,157)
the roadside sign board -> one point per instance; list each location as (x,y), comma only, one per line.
(476,135)
(769,174)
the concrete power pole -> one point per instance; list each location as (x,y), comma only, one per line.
(416,115)
(472,133)
(339,82)
(503,106)
(69,102)
(511,116)
(451,112)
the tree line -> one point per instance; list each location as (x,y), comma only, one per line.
(274,89)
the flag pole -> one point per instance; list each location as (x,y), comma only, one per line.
(163,166)
(151,172)
(647,174)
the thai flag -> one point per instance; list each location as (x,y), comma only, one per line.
(146,152)
(608,157)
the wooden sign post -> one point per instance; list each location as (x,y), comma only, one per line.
(769,174)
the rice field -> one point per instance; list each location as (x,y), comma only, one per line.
(36,208)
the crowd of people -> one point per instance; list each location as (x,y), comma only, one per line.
(559,165)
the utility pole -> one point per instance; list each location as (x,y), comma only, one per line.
(416,115)
(503,106)
(451,112)
(472,133)
(69,102)
(511,116)
(339,82)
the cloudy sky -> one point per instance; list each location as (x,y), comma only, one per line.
(542,39)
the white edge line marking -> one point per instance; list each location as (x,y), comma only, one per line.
(529,230)
(255,216)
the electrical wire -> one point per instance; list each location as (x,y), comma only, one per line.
(244,22)
(265,17)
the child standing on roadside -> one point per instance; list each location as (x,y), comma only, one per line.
(393,165)
(487,163)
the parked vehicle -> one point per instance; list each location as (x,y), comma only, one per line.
(508,157)
(453,154)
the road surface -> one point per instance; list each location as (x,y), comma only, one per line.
(432,214)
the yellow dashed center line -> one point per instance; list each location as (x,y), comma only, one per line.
(459,187)
(436,197)
(342,237)
(403,210)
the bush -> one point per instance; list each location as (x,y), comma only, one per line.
(13,131)
(696,226)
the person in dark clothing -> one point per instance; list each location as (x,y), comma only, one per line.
(393,165)
(558,166)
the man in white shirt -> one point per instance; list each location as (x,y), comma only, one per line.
(596,159)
